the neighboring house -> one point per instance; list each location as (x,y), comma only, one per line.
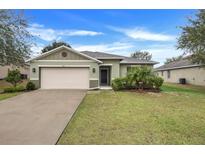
(184,68)
(4,70)
(66,68)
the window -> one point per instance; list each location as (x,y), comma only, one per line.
(168,74)
(162,73)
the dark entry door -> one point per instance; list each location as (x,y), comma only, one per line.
(104,79)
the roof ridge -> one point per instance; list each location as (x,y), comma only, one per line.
(184,62)
(102,53)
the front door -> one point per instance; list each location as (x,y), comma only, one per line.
(104,79)
(104,76)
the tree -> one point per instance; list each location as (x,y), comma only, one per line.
(54,45)
(14,77)
(142,55)
(169,60)
(15,40)
(192,39)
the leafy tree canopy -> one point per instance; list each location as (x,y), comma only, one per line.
(142,55)
(54,45)
(15,40)
(169,60)
(192,39)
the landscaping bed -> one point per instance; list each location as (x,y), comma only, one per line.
(139,79)
(7,90)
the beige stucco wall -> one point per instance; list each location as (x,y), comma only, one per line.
(4,70)
(123,68)
(58,56)
(194,75)
(115,67)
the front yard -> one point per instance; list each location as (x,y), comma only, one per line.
(174,116)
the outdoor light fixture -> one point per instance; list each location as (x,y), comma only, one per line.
(93,70)
(33,70)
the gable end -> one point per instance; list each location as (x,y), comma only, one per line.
(63,53)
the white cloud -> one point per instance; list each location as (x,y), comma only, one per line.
(37,25)
(162,51)
(139,33)
(36,49)
(79,33)
(49,34)
(110,47)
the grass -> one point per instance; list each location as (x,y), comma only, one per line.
(170,87)
(174,116)
(8,95)
(4,84)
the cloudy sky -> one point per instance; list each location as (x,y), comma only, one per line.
(113,31)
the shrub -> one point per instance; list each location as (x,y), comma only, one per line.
(157,82)
(30,86)
(13,77)
(149,82)
(14,89)
(20,88)
(119,83)
(140,75)
(9,90)
(140,78)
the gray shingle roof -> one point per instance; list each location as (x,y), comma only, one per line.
(102,55)
(130,60)
(183,63)
(124,60)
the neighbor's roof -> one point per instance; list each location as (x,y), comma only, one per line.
(183,63)
(124,60)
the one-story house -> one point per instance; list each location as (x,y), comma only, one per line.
(24,70)
(182,69)
(66,68)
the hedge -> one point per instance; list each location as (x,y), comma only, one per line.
(14,89)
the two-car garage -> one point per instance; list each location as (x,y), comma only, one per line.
(64,77)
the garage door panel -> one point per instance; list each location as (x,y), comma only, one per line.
(64,78)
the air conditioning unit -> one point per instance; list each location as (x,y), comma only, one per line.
(182,81)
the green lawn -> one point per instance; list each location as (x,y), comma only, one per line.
(4,84)
(174,116)
(8,95)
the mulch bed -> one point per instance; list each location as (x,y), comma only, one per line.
(143,91)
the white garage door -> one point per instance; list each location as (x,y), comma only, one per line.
(64,78)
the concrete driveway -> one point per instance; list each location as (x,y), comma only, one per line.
(37,117)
